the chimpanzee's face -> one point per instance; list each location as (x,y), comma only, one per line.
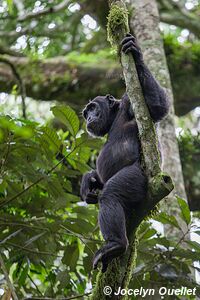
(100,114)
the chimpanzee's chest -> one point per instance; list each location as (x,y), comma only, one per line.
(117,154)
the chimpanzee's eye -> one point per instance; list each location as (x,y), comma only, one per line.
(91,107)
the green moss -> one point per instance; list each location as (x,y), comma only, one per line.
(110,278)
(91,58)
(117,24)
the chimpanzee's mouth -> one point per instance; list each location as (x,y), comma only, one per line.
(94,120)
(93,126)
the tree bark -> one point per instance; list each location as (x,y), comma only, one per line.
(145,25)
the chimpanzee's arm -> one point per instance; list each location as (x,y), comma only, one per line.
(154,94)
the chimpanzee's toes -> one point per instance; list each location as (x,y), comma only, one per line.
(97,259)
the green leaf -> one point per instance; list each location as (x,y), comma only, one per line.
(34,238)
(185,212)
(194,245)
(166,219)
(71,256)
(68,117)
(10,6)
(149,233)
(51,138)
(82,167)
(68,186)
(63,277)
(23,275)
(55,188)
(188,254)
(79,225)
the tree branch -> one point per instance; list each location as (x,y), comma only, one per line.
(22,89)
(45,11)
(74,83)
(174,13)
(181,20)
(51,33)
(8,51)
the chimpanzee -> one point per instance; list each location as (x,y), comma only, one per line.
(118,173)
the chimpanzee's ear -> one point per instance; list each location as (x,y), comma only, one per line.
(111,100)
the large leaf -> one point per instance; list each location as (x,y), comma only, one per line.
(185,212)
(23,275)
(188,254)
(68,117)
(194,245)
(51,138)
(71,256)
(166,219)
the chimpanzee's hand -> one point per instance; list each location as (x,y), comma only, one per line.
(89,186)
(129,45)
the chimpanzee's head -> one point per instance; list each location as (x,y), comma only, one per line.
(100,113)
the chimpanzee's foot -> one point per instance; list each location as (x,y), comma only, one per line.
(107,253)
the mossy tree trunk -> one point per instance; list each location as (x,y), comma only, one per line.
(144,22)
(120,270)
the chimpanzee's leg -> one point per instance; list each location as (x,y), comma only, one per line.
(120,194)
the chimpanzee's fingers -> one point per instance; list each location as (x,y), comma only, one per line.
(131,49)
(92,195)
(127,39)
(91,198)
(130,46)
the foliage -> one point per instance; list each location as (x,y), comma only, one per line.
(166,260)
(185,53)
(48,237)
(189,146)
(46,232)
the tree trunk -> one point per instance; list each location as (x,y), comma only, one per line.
(145,25)
(119,272)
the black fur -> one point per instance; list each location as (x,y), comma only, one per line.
(119,174)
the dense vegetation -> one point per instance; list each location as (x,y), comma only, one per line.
(48,236)
(57,51)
